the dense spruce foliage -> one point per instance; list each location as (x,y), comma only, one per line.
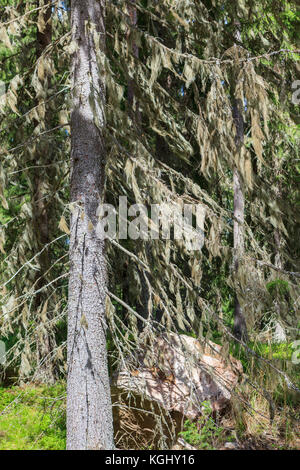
(167,102)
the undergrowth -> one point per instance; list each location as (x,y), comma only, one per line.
(32,418)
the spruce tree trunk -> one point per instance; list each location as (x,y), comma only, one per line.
(142,306)
(135,52)
(279,333)
(45,341)
(240,326)
(89,409)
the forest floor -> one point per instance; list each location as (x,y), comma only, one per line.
(33,418)
(271,436)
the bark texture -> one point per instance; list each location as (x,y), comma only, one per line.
(142,306)
(89,409)
(135,51)
(279,335)
(45,341)
(240,326)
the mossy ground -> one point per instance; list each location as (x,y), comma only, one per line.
(32,418)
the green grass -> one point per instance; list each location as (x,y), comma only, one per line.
(282,351)
(32,418)
(204,434)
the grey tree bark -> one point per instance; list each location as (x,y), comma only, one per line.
(45,341)
(142,306)
(89,409)
(240,326)
(279,335)
(135,51)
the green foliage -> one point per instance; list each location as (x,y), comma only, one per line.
(32,418)
(270,351)
(278,286)
(182,148)
(204,433)
(275,351)
(228,310)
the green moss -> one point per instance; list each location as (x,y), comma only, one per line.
(278,286)
(204,434)
(32,418)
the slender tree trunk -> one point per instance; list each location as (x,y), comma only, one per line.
(89,409)
(135,51)
(240,326)
(279,333)
(41,213)
(142,307)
